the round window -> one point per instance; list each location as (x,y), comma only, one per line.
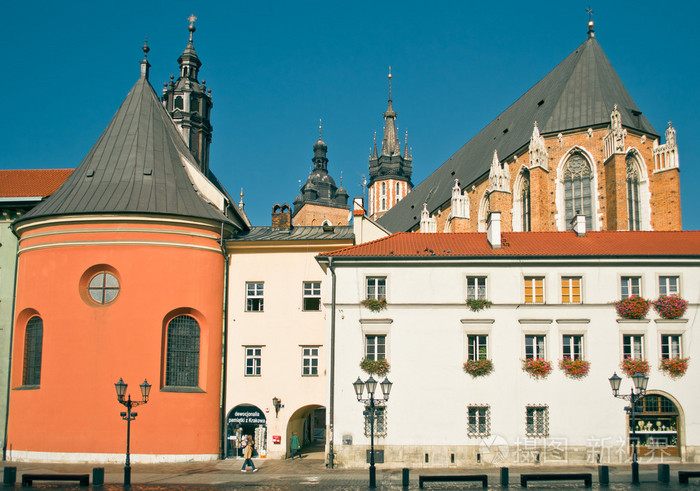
(103,287)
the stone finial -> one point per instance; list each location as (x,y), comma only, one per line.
(499,175)
(538,150)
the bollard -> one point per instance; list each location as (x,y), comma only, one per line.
(603,475)
(504,477)
(10,475)
(98,476)
(404,481)
(664,473)
(635,472)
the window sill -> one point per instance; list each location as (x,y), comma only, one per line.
(632,321)
(172,388)
(26,387)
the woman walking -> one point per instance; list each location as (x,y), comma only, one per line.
(247,455)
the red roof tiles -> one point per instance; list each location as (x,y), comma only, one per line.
(25,183)
(526,244)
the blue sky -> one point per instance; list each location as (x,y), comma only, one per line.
(275,68)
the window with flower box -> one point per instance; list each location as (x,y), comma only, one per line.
(312,296)
(478,421)
(671,346)
(376,287)
(668,285)
(571,289)
(375,347)
(572,346)
(535,347)
(477,347)
(534,289)
(630,286)
(476,288)
(537,421)
(254,296)
(633,346)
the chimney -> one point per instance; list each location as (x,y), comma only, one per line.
(578,223)
(281,217)
(493,229)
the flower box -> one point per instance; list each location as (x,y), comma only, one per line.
(631,366)
(373,304)
(375,367)
(477,304)
(674,367)
(633,307)
(576,369)
(670,307)
(537,368)
(478,368)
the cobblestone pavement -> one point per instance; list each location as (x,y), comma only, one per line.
(311,472)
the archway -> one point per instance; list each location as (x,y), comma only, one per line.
(309,423)
(243,422)
(658,426)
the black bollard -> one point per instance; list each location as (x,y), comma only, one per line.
(10,475)
(664,473)
(504,477)
(98,476)
(404,480)
(603,475)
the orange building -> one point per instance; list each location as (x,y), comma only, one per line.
(121,274)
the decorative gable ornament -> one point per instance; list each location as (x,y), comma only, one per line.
(666,155)
(538,150)
(615,139)
(499,176)
(428,224)
(460,202)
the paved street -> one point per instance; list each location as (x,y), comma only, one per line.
(311,472)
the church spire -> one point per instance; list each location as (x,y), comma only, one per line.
(390,144)
(188,60)
(145,66)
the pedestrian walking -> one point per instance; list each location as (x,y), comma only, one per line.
(294,445)
(247,455)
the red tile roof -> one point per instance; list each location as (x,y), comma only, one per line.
(25,183)
(528,244)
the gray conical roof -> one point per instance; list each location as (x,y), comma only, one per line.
(579,93)
(134,168)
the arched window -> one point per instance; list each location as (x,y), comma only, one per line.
(525,201)
(632,172)
(383,189)
(33,339)
(182,368)
(578,199)
(484,209)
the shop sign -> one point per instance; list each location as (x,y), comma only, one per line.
(276,439)
(246,415)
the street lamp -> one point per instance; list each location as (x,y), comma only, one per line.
(129,416)
(371,386)
(640,381)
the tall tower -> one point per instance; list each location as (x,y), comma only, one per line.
(189,103)
(390,172)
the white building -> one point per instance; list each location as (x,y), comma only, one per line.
(552,297)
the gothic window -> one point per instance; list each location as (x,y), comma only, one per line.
(578,195)
(484,209)
(33,340)
(178,102)
(182,369)
(525,201)
(632,172)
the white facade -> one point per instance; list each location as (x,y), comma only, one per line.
(426,327)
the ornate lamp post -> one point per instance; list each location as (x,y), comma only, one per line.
(640,386)
(371,385)
(129,416)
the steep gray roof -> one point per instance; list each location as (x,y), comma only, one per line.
(295,233)
(134,168)
(579,93)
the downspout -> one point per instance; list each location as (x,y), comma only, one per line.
(224,354)
(331,401)
(9,358)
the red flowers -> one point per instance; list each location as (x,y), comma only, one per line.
(670,307)
(478,368)
(633,307)
(576,369)
(374,305)
(632,365)
(378,367)
(674,367)
(537,368)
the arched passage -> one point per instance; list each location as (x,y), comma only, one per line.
(658,426)
(243,422)
(309,423)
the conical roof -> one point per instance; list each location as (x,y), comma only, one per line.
(135,167)
(580,92)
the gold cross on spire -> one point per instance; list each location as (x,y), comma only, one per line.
(319,128)
(590,13)
(192,18)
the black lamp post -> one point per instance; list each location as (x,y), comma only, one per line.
(371,385)
(640,386)
(128,416)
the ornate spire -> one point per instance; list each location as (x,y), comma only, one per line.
(591,31)
(144,64)
(241,205)
(188,60)
(615,139)
(390,144)
(405,148)
(499,176)
(538,150)
(374,151)
(320,149)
